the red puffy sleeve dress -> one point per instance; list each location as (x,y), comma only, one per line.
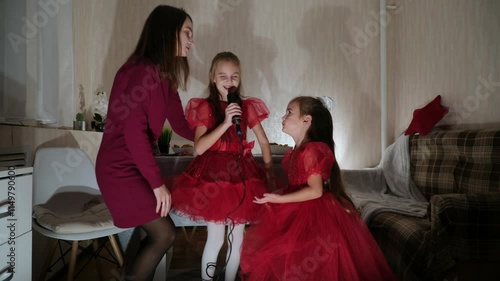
(219,185)
(318,239)
(126,169)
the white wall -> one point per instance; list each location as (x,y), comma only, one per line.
(448,47)
(287,48)
(319,47)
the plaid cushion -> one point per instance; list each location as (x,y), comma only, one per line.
(458,161)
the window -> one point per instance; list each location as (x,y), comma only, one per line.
(36,61)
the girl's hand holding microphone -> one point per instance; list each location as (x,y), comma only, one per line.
(233,109)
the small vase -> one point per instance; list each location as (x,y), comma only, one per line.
(165,149)
(99,127)
(79,125)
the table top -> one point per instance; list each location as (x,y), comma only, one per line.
(188,158)
(172,165)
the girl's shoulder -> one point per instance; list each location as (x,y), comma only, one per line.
(252,100)
(254,103)
(316,147)
(254,110)
(315,156)
(197,104)
(198,101)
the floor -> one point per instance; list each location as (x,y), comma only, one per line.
(185,264)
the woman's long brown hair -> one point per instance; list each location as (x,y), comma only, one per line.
(159,44)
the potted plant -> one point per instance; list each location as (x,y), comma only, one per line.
(79,123)
(164,140)
(98,123)
(100,109)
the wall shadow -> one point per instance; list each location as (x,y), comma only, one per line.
(330,73)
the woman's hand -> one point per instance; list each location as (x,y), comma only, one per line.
(163,200)
(232,109)
(268,198)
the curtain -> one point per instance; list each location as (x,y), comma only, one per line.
(36,61)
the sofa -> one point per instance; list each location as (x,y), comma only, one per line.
(455,217)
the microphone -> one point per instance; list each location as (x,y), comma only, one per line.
(232,96)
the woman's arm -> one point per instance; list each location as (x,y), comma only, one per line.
(314,190)
(203,141)
(175,115)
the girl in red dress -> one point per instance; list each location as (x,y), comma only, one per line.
(220,183)
(144,94)
(311,230)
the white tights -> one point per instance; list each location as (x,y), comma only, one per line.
(215,240)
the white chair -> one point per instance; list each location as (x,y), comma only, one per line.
(64,184)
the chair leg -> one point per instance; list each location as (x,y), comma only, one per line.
(192,233)
(116,249)
(48,260)
(72,261)
(95,245)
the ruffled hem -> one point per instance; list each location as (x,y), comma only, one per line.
(217,202)
(211,188)
(312,240)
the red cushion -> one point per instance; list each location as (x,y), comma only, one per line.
(426,117)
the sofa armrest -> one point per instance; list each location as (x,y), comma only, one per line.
(468,223)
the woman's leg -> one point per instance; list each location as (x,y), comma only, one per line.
(215,239)
(234,260)
(160,234)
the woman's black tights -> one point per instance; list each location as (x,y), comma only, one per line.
(160,234)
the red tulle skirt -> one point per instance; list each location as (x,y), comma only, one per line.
(317,240)
(219,187)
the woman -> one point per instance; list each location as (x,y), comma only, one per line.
(143,96)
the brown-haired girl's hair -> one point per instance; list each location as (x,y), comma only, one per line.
(321,130)
(159,44)
(214,97)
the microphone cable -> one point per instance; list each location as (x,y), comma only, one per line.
(231,221)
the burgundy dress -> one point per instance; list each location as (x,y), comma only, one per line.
(126,169)
(223,181)
(313,240)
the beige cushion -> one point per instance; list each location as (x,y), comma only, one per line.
(73,212)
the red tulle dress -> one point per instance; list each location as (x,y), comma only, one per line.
(221,183)
(317,240)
